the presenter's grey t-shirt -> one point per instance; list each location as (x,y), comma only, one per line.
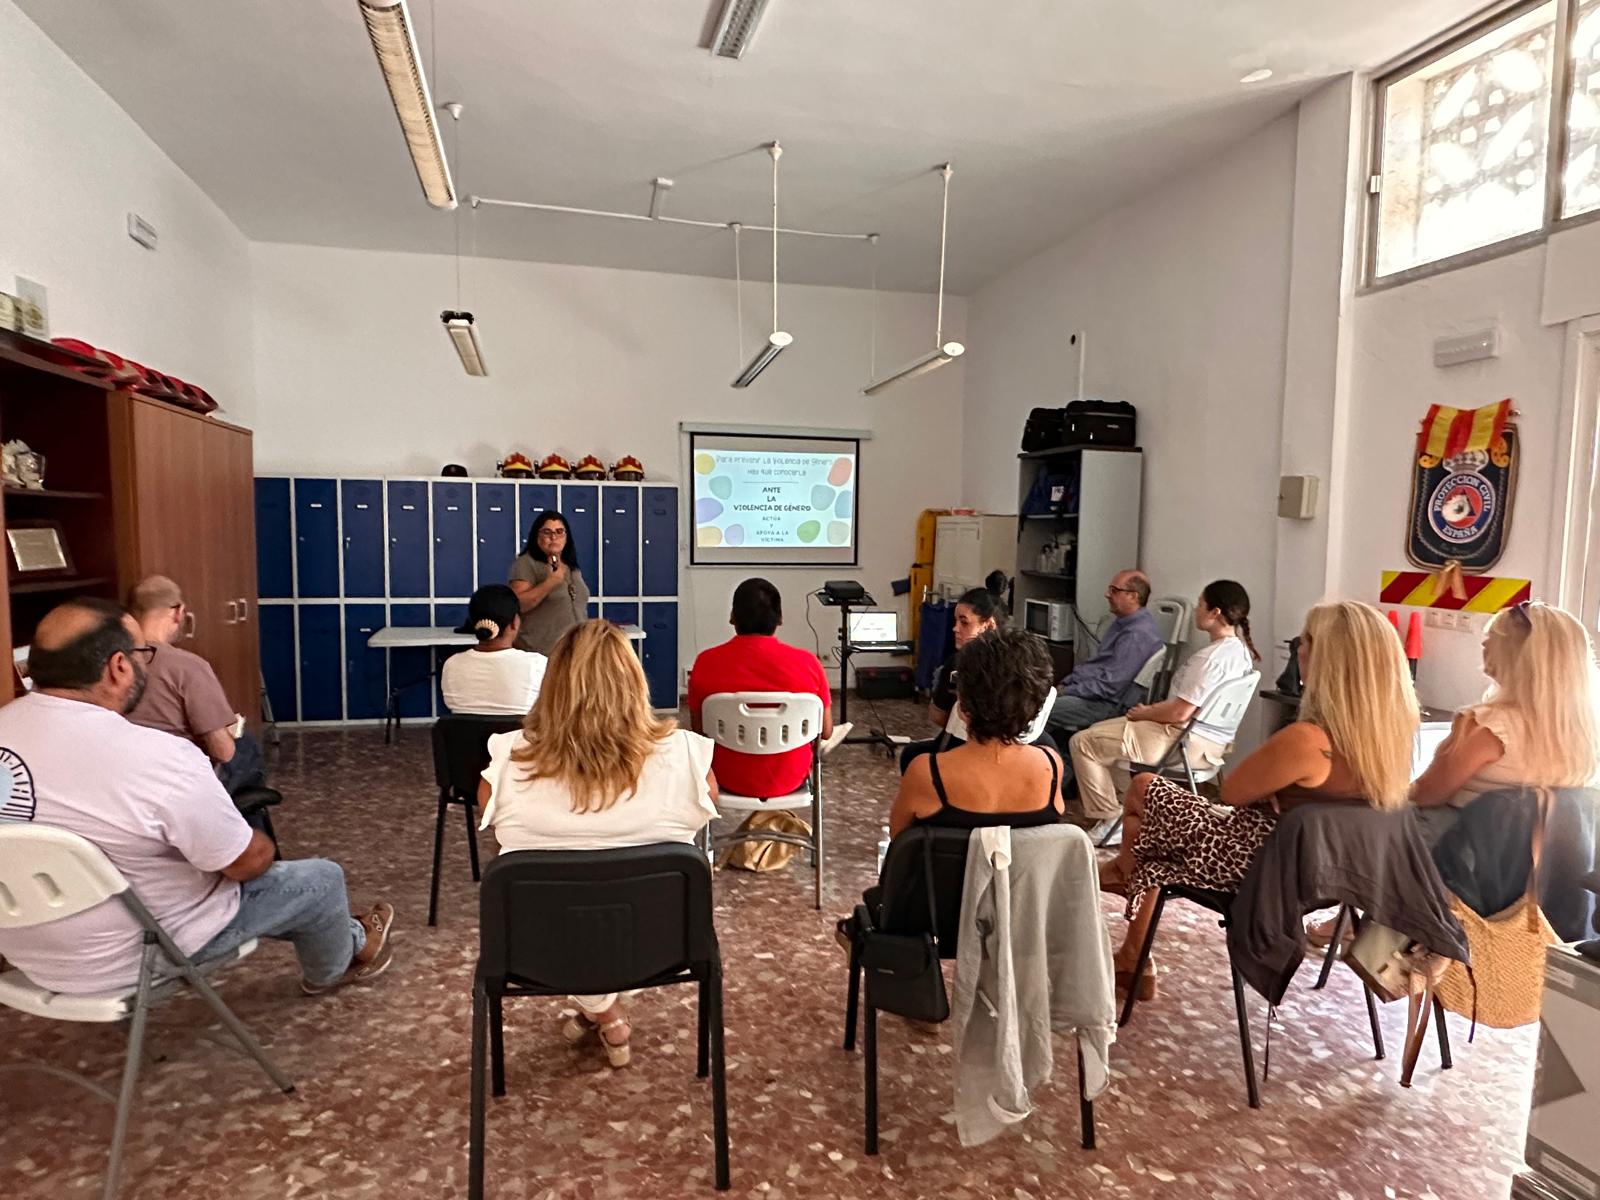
(558,612)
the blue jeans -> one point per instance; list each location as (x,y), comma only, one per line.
(303,902)
(1074,713)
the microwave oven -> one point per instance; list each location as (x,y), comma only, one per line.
(1050,619)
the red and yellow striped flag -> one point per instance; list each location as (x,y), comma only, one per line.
(1447,431)
(1484,593)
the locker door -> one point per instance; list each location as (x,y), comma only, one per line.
(409,547)
(532,499)
(496,505)
(412,667)
(452,539)
(580,505)
(321,663)
(659,552)
(447,616)
(661,652)
(366,678)
(619,522)
(278,659)
(620,614)
(274,540)
(361,510)
(316,527)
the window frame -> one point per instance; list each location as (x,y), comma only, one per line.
(1444,44)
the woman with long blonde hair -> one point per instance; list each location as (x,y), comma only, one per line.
(593,768)
(1352,742)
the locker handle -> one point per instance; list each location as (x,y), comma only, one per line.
(244,610)
(188,623)
(452,508)
(362,506)
(409,507)
(494,508)
(316,504)
(233,613)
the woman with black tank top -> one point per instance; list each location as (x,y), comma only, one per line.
(1002,678)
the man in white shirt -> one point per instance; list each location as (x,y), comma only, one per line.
(152,805)
(494,678)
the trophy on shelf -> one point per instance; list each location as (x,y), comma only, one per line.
(21,466)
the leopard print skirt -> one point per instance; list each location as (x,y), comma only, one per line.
(1184,838)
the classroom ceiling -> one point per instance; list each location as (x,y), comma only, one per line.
(1052,111)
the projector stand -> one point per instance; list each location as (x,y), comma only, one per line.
(873,737)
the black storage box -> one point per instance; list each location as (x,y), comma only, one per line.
(885,683)
(1101,423)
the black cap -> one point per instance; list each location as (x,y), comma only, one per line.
(454,471)
(490,612)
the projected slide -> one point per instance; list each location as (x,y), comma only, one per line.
(774,499)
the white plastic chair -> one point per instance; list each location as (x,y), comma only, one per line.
(957,728)
(50,874)
(1172,617)
(1147,678)
(770,723)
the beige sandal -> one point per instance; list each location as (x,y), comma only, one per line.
(618,1054)
(574,1027)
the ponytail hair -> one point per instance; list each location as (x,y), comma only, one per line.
(1233,602)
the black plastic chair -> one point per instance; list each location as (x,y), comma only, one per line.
(559,922)
(899,906)
(460,753)
(255,805)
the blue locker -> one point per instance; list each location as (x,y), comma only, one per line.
(620,614)
(658,517)
(452,540)
(449,616)
(412,668)
(594,609)
(278,656)
(366,677)
(498,544)
(661,652)
(321,663)
(274,540)
(532,499)
(619,523)
(361,510)
(409,547)
(580,505)
(316,524)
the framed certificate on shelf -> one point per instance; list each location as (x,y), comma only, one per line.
(37,549)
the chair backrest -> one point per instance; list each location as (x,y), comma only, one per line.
(1141,688)
(1225,707)
(588,921)
(956,727)
(1172,618)
(762,722)
(48,874)
(461,749)
(905,903)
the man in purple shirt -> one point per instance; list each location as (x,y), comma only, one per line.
(1099,687)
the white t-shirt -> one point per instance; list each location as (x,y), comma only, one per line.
(1203,672)
(492,682)
(670,803)
(150,802)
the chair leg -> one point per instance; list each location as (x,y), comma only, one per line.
(472,837)
(1251,1087)
(1111,832)
(235,1026)
(438,852)
(702,1057)
(1445,1061)
(1144,959)
(869,1058)
(1085,1108)
(497,1046)
(1378,1051)
(480,1022)
(1332,956)
(719,1081)
(130,1068)
(852,1001)
(816,833)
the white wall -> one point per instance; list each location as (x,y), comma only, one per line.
(72,165)
(355,374)
(1183,296)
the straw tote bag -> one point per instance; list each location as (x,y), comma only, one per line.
(1504,985)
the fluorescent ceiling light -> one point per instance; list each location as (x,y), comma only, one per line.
(775,345)
(1259,75)
(736,30)
(464,337)
(943,351)
(931,360)
(389,27)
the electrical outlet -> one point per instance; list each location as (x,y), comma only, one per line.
(1436,618)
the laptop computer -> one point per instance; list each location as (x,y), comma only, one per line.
(870,630)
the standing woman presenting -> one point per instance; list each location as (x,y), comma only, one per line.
(549,586)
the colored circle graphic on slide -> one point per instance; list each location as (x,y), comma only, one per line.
(808,530)
(838,532)
(704,463)
(821,497)
(706,509)
(708,535)
(721,487)
(839,473)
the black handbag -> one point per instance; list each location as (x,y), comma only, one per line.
(902,969)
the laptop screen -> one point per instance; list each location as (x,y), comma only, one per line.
(874,628)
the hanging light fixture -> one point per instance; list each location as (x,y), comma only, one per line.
(943,351)
(389,28)
(777,341)
(458,323)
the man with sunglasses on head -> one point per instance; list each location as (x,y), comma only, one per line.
(1100,686)
(184,696)
(151,804)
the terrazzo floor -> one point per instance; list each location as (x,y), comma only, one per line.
(381,1108)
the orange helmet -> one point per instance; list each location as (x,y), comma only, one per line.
(517,466)
(554,467)
(627,468)
(589,467)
